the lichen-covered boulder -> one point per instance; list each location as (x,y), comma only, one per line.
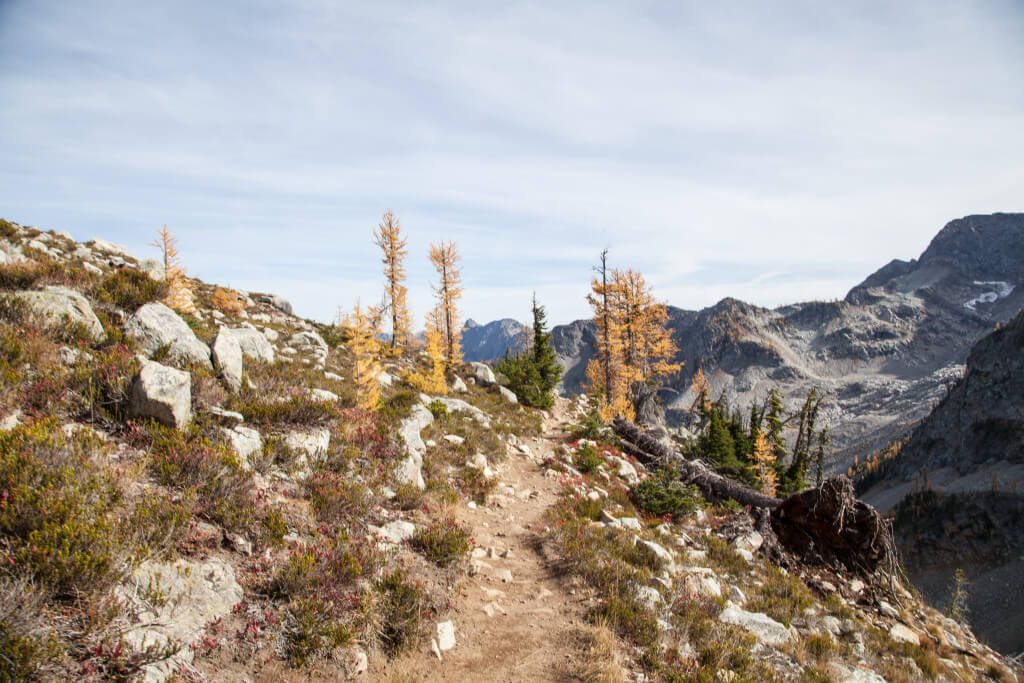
(155,326)
(55,305)
(227,357)
(162,393)
(254,344)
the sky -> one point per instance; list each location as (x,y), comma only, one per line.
(774,152)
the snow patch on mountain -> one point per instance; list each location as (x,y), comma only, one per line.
(1000,290)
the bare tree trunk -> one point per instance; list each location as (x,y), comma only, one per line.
(713,485)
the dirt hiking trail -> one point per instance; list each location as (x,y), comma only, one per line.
(515,618)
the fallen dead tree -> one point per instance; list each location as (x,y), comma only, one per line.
(652,452)
(825,525)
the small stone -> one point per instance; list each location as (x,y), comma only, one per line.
(887,610)
(445,636)
(856,586)
(505,575)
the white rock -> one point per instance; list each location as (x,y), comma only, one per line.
(508,395)
(454,439)
(153,268)
(648,597)
(308,340)
(323,395)
(483,374)
(227,358)
(856,585)
(751,541)
(746,555)
(396,532)
(245,441)
(162,393)
(356,662)
(155,326)
(904,634)
(458,386)
(737,595)
(631,523)
(95,270)
(445,636)
(312,444)
(702,585)
(193,594)
(763,627)
(887,610)
(410,470)
(334,376)
(253,343)
(54,304)
(110,247)
(457,405)
(385,379)
(624,469)
(657,552)
(831,624)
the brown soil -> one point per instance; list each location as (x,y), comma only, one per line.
(526,629)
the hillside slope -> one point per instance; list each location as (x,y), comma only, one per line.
(197,496)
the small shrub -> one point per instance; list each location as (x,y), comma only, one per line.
(310,631)
(724,557)
(130,289)
(585,459)
(294,410)
(475,485)
(27,645)
(398,405)
(591,427)
(227,301)
(821,646)
(58,509)
(443,542)
(408,496)
(625,615)
(438,409)
(664,494)
(336,497)
(402,604)
(159,522)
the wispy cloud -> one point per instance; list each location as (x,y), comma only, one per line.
(746,151)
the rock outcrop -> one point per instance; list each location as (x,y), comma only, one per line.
(61,305)
(156,327)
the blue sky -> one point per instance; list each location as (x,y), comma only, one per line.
(770,154)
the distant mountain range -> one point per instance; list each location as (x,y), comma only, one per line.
(883,356)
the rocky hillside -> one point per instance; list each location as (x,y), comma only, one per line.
(196,496)
(883,356)
(955,487)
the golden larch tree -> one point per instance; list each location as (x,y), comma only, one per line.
(448,291)
(388,236)
(365,347)
(179,292)
(433,381)
(634,345)
(762,462)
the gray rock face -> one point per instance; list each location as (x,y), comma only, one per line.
(195,594)
(311,444)
(110,247)
(162,393)
(490,342)
(253,343)
(508,395)
(763,627)
(57,304)
(155,326)
(483,374)
(227,357)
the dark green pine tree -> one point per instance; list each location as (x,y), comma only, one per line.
(534,373)
(795,478)
(774,424)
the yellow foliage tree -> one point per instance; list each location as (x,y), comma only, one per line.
(388,236)
(433,381)
(701,393)
(762,462)
(365,347)
(448,291)
(179,296)
(634,346)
